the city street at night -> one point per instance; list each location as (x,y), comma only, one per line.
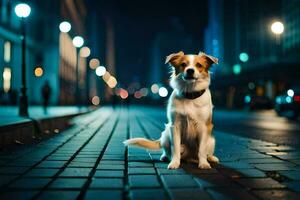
(137,100)
(90,161)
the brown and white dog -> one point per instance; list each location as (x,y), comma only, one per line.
(188,134)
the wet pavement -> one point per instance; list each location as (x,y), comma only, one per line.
(89,161)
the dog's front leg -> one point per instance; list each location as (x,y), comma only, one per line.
(175,145)
(202,154)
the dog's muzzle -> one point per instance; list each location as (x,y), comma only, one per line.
(189,74)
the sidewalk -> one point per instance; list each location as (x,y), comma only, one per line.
(89,161)
(10,114)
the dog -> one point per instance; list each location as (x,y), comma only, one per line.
(188,134)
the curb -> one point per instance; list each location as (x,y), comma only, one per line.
(33,130)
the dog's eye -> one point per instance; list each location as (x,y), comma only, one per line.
(198,65)
(183,64)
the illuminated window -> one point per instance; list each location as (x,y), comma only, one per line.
(7,51)
(6,79)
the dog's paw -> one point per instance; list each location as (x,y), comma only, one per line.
(204,165)
(213,159)
(164,158)
(174,164)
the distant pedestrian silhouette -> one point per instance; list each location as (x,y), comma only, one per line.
(46,93)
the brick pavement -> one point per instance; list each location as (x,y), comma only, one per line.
(89,161)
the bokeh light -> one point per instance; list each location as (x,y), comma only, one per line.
(85,52)
(237,69)
(288,99)
(112,82)
(137,94)
(38,71)
(277,27)
(65,27)
(100,71)
(106,76)
(22,10)
(94,63)
(144,91)
(244,57)
(123,93)
(163,92)
(251,85)
(78,41)
(154,88)
(95,100)
(290,92)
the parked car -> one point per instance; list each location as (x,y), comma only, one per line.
(288,104)
(255,102)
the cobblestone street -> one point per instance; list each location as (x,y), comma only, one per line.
(89,161)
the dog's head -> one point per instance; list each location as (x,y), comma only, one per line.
(190,71)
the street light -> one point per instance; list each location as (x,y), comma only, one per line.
(23,10)
(277,28)
(78,43)
(65,27)
(100,71)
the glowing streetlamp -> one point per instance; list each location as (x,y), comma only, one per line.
(100,71)
(78,42)
(277,28)
(23,10)
(65,27)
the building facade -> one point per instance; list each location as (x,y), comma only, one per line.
(50,54)
(251,55)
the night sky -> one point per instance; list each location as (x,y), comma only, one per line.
(136,24)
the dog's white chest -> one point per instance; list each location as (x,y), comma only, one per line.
(198,109)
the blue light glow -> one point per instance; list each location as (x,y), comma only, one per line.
(278,100)
(237,69)
(244,57)
(288,99)
(247,99)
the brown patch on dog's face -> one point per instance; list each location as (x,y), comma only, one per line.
(200,63)
(179,61)
(175,59)
(207,60)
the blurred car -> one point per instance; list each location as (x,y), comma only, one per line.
(255,102)
(289,103)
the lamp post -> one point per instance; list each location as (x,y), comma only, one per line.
(23,10)
(78,43)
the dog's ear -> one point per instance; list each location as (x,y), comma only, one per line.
(172,58)
(209,59)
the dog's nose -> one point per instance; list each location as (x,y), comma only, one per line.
(190,71)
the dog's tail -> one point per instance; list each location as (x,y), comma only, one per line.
(145,143)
